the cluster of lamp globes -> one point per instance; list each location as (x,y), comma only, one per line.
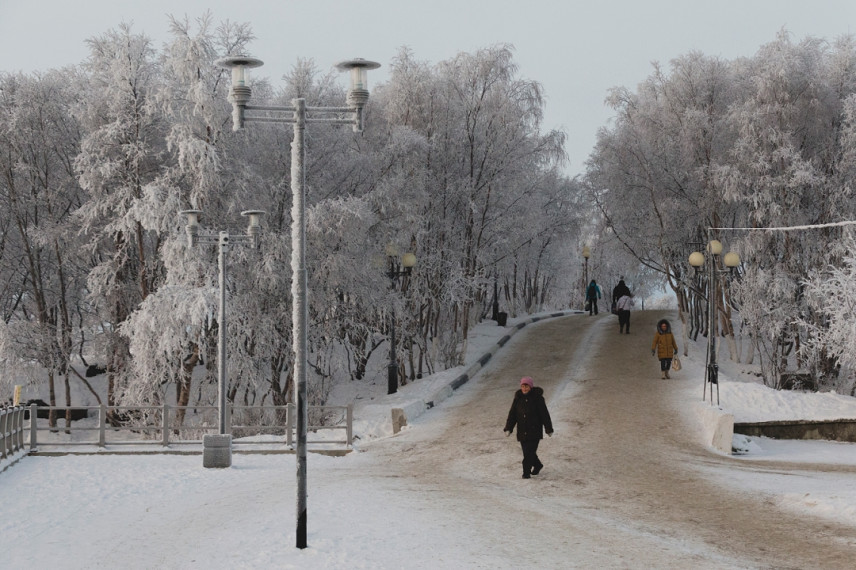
(731,259)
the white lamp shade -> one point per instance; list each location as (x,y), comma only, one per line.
(191,216)
(731,259)
(696,259)
(255,217)
(408,260)
(714,247)
(359,68)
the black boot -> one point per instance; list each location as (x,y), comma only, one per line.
(538,467)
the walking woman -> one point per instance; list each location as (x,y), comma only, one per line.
(529,413)
(664,346)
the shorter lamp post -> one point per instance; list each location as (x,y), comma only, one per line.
(586,255)
(696,260)
(217,450)
(395,269)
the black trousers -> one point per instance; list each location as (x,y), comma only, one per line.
(530,454)
(593,306)
(665,364)
(623,320)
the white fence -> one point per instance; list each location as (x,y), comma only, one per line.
(11,431)
(105,426)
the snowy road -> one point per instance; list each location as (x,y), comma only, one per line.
(625,482)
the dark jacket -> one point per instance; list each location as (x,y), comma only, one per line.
(664,342)
(529,413)
(620,290)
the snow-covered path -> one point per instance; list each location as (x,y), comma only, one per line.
(625,484)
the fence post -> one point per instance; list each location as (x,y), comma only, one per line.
(289,424)
(33,427)
(350,427)
(102,425)
(5,432)
(19,412)
(165,426)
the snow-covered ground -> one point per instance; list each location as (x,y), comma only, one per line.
(90,511)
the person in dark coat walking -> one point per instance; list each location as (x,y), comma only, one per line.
(619,291)
(529,413)
(664,346)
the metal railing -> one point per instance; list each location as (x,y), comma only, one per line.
(11,430)
(159,425)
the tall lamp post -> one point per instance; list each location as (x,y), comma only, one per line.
(298,115)
(217,450)
(696,260)
(586,255)
(395,269)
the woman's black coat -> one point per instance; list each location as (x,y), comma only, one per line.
(530,414)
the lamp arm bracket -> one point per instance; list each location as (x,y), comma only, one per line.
(332,121)
(274,108)
(242,239)
(329,109)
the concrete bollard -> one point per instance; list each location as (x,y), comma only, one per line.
(399,420)
(217,450)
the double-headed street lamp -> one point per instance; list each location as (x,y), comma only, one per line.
(298,115)
(731,260)
(395,269)
(217,451)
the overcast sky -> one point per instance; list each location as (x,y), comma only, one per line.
(576,49)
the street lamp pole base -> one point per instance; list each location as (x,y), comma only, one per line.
(217,450)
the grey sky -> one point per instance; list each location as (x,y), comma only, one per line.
(576,49)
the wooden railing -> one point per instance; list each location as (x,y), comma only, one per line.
(159,425)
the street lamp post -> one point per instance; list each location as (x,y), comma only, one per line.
(217,450)
(586,255)
(298,115)
(408,260)
(696,260)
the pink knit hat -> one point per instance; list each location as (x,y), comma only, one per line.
(526,380)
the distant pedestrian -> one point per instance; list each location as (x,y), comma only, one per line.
(624,304)
(620,290)
(592,295)
(664,347)
(529,413)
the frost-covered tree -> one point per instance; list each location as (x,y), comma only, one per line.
(487,162)
(723,150)
(189,100)
(832,298)
(786,173)
(653,174)
(453,167)
(121,153)
(40,264)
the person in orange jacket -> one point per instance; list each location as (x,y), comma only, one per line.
(664,346)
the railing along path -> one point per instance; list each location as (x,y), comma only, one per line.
(160,426)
